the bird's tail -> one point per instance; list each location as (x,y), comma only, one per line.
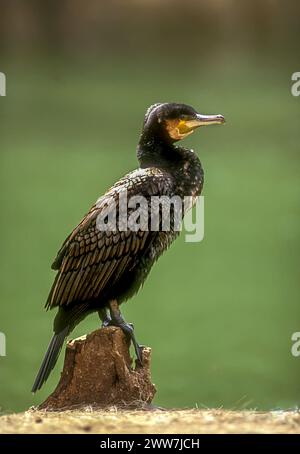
(50,358)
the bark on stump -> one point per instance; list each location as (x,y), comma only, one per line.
(98,371)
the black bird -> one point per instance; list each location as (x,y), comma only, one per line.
(98,269)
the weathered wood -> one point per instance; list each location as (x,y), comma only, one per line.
(98,371)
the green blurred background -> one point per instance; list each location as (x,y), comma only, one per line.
(219,314)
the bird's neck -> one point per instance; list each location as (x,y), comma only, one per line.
(180,162)
(152,152)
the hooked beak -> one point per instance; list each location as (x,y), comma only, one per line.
(205,120)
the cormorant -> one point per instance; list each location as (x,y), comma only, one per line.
(97,269)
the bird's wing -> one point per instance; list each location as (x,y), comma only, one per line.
(92,260)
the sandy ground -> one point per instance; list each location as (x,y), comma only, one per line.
(166,422)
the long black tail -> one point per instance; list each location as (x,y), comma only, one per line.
(50,358)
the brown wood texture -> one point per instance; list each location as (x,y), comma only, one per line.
(98,371)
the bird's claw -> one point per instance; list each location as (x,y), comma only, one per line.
(139,354)
(129,331)
(107,322)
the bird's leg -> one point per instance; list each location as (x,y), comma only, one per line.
(104,317)
(117,320)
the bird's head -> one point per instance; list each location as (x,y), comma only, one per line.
(171,122)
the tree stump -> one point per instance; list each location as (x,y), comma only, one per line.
(98,372)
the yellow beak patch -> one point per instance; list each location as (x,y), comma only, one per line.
(178,129)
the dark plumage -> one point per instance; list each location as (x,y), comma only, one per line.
(98,270)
